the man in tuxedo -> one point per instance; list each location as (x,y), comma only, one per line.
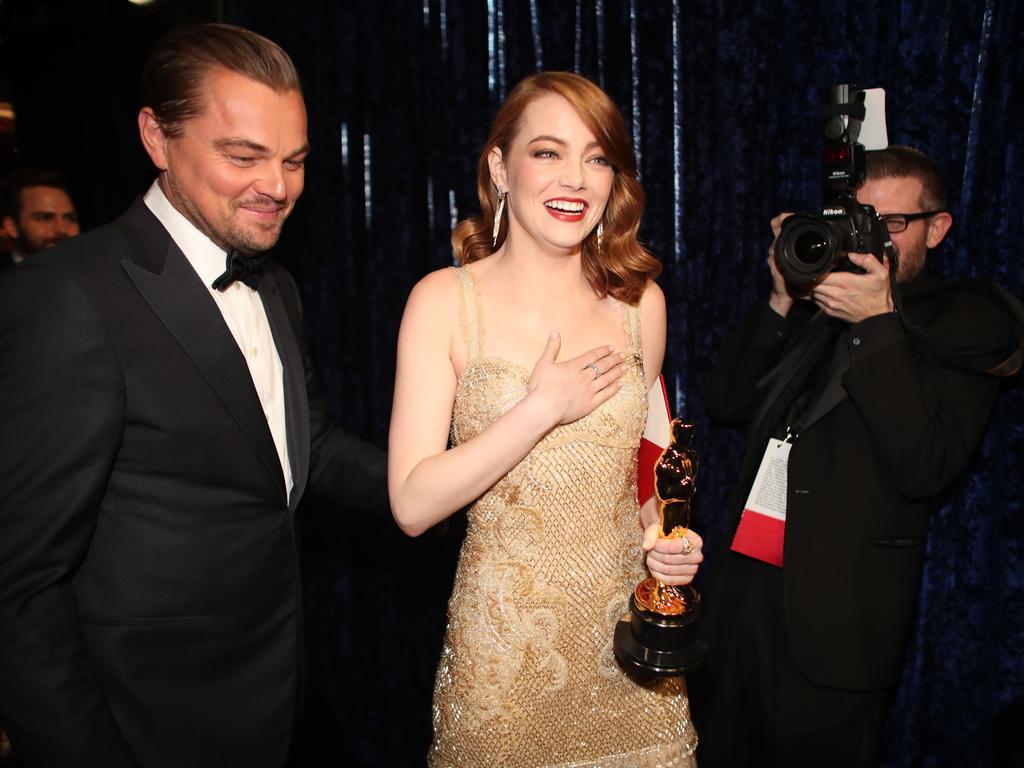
(160,423)
(36,212)
(865,414)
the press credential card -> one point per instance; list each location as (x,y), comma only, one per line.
(762,527)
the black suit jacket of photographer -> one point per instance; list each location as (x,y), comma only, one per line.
(883,434)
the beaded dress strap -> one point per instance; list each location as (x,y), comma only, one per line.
(471,317)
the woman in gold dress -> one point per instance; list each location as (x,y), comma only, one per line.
(521,389)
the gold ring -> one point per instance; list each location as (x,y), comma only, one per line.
(687,546)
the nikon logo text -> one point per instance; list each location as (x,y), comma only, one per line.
(833,212)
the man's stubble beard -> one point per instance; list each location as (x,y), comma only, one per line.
(231,238)
(911,263)
(29,247)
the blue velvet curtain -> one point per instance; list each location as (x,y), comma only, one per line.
(722,99)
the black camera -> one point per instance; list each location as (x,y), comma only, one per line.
(809,246)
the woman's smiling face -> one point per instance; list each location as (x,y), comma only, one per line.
(556,174)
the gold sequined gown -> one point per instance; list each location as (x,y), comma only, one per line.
(552,552)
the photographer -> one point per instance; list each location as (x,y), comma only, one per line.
(865,424)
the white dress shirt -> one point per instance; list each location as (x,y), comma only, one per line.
(243,313)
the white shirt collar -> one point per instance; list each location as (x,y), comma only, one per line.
(206,258)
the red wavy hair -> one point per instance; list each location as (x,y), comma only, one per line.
(622,266)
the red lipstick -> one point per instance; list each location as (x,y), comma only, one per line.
(570,209)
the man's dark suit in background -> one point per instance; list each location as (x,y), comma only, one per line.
(803,653)
(149,585)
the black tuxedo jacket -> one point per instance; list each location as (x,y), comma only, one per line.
(149,585)
(887,433)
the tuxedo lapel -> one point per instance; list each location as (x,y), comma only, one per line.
(834,392)
(784,380)
(296,399)
(168,283)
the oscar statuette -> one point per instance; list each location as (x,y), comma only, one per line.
(657,635)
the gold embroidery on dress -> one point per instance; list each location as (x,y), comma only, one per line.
(552,551)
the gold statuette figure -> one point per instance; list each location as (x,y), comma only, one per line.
(657,636)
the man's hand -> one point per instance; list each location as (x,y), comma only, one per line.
(852,297)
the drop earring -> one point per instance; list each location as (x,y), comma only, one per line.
(497,217)
(600,232)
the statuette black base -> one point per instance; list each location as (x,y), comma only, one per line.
(660,645)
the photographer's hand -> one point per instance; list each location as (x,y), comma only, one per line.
(852,297)
(782,297)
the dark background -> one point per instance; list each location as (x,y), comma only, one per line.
(722,98)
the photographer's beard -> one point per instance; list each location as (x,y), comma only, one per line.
(912,254)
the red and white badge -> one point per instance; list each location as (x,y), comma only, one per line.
(657,435)
(762,527)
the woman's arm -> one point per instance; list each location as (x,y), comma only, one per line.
(652,344)
(427,483)
(652,332)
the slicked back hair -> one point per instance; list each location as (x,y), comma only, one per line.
(173,80)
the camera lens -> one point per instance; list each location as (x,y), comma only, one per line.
(806,250)
(809,247)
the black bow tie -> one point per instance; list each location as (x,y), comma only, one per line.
(240,266)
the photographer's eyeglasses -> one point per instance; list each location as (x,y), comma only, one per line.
(897,222)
